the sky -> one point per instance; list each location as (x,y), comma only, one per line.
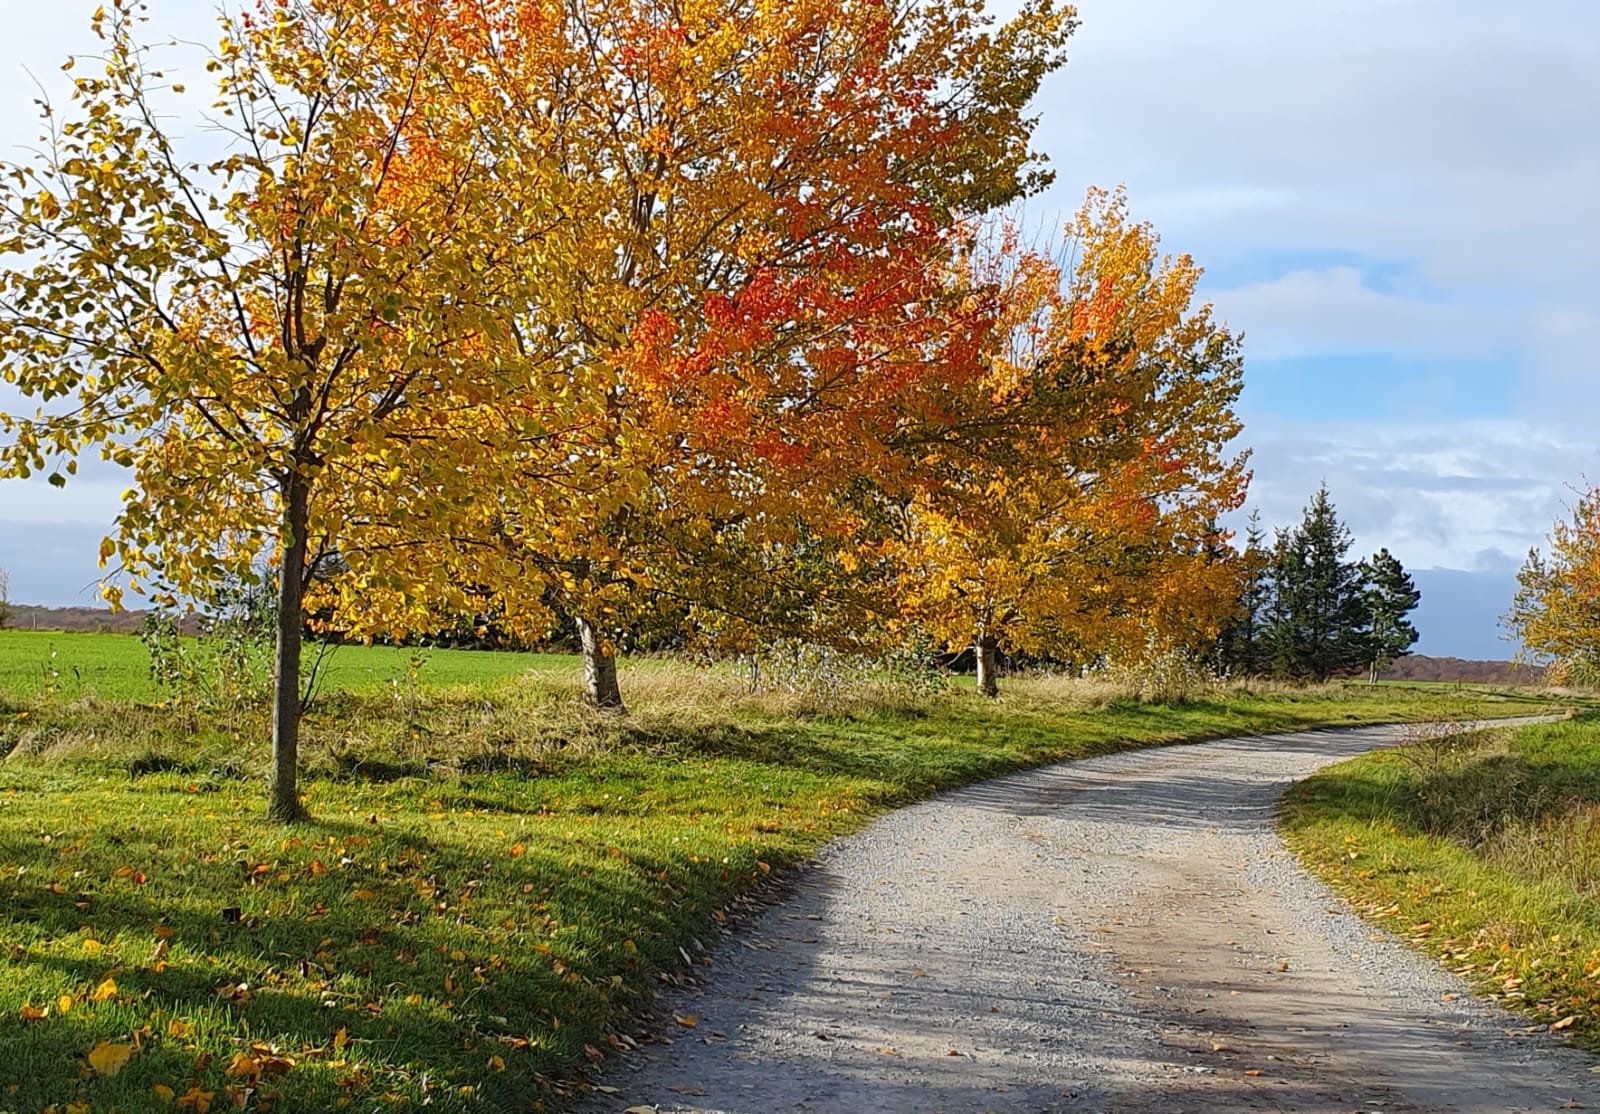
(1397,202)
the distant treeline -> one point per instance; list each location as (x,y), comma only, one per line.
(1420,667)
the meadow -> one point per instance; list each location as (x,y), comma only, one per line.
(1484,850)
(496,878)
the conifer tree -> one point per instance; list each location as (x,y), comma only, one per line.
(1242,645)
(1320,609)
(1391,596)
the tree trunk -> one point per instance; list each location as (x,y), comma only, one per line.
(983,650)
(599,670)
(284,789)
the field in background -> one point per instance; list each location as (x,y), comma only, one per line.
(1484,850)
(497,877)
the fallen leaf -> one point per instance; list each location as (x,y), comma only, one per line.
(1564,1023)
(363,895)
(107,1058)
(687,1020)
(604,1090)
(1252,1071)
(106,990)
(640,1110)
(30,1012)
(162,1092)
(64,1003)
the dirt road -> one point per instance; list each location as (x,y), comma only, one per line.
(1121,934)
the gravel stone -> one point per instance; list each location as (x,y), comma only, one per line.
(1121,933)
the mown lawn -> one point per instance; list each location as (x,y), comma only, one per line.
(1485,852)
(496,878)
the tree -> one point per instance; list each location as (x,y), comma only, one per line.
(289,344)
(1391,596)
(1318,619)
(1555,614)
(1067,506)
(5,599)
(1242,647)
(755,204)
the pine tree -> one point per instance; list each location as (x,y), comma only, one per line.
(1391,596)
(1319,612)
(1242,645)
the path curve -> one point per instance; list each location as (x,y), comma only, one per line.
(1121,933)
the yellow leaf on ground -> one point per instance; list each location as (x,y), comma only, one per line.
(687,1020)
(106,990)
(30,1012)
(162,1092)
(107,1058)
(64,1003)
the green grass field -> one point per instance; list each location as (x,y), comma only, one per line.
(115,666)
(1484,852)
(496,879)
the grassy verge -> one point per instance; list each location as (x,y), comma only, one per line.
(495,882)
(1484,851)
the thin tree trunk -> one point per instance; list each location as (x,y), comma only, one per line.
(284,790)
(983,649)
(599,669)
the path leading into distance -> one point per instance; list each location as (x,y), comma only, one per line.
(1124,933)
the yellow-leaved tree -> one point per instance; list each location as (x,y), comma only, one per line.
(1555,614)
(285,332)
(1068,507)
(754,200)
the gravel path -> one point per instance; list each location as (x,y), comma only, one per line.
(1121,933)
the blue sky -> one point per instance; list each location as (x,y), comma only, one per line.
(1397,202)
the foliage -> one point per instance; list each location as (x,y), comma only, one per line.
(1556,612)
(1067,508)
(743,285)
(1391,596)
(1483,850)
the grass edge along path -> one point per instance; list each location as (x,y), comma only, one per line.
(1483,853)
(466,941)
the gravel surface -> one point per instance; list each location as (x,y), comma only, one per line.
(1121,933)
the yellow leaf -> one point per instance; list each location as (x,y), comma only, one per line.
(340,1039)
(30,1012)
(162,1091)
(92,947)
(107,1058)
(363,895)
(496,1064)
(64,1003)
(107,989)
(687,1020)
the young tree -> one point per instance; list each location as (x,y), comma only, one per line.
(1555,614)
(1068,506)
(1319,615)
(1242,647)
(1391,596)
(5,599)
(286,340)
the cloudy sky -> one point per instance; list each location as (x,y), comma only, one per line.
(1397,201)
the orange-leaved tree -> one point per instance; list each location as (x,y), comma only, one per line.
(1555,614)
(754,200)
(1067,507)
(284,331)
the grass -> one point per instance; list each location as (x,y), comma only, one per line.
(114,666)
(496,880)
(1483,850)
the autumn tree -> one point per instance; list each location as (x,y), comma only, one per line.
(1391,596)
(283,329)
(755,202)
(1555,614)
(1066,504)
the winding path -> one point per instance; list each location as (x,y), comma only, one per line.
(1123,933)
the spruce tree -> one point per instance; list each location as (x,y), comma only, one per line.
(1242,645)
(1391,596)
(1319,611)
